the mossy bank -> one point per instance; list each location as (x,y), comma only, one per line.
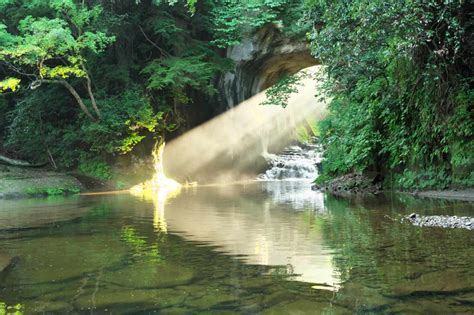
(16,182)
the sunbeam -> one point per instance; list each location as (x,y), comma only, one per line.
(233,145)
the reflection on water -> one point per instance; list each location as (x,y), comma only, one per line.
(39,212)
(260,230)
(297,194)
(267,247)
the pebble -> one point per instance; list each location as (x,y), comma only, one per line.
(443,221)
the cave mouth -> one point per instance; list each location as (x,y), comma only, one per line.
(278,66)
(234,146)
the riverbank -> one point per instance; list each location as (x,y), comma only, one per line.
(465,194)
(20,182)
(26,182)
(444,221)
(356,184)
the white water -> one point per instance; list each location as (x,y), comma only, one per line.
(296,162)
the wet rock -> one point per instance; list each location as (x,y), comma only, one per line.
(39,212)
(85,254)
(293,163)
(465,194)
(362,298)
(304,307)
(433,306)
(109,297)
(466,298)
(352,184)
(260,58)
(5,261)
(445,281)
(23,182)
(443,221)
(48,307)
(176,311)
(211,299)
(149,274)
(275,298)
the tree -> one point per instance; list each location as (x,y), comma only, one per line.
(400,76)
(52,50)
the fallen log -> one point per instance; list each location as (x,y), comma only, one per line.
(20,163)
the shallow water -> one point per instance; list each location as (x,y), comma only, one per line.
(265,247)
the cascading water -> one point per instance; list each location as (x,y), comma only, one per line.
(296,162)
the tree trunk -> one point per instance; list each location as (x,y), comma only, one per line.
(14,162)
(89,91)
(92,98)
(75,95)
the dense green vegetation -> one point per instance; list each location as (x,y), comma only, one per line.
(83,82)
(400,74)
(91,80)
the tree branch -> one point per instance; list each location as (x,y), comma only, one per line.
(74,94)
(14,162)
(162,51)
(89,91)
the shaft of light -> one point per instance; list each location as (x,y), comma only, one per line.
(231,146)
(159,182)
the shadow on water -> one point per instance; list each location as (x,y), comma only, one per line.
(270,247)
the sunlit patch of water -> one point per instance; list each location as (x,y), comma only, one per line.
(159,189)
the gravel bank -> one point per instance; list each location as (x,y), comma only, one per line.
(444,221)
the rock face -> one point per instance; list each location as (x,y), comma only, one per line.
(444,221)
(351,184)
(261,60)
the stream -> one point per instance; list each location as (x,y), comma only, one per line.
(271,247)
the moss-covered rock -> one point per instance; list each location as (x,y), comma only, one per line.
(149,274)
(350,184)
(81,255)
(24,182)
(116,296)
(304,307)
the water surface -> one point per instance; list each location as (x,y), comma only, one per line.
(265,247)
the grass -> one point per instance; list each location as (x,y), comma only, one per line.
(52,191)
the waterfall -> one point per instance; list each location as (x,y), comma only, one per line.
(296,162)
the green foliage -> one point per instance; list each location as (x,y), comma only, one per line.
(431,179)
(279,93)
(143,60)
(16,309)
(401,87)
(95,168)
(180,73)
(25,129)
(306,132)
(52,191)
(399,75)
(124,119)
(52,47)
(323,179)
(9,84)
(303,135)
(233,19)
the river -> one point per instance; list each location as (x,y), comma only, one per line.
(271,247)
